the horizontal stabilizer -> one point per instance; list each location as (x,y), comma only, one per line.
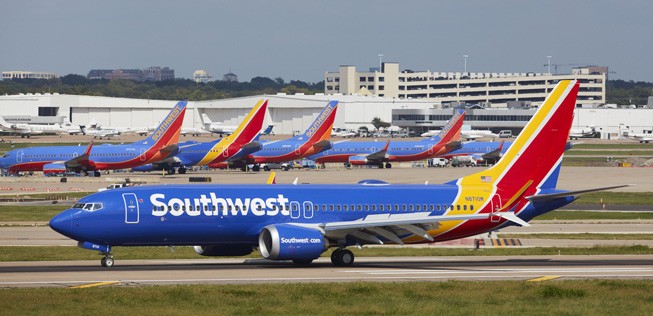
(546,197)
(326,144)
(170,148)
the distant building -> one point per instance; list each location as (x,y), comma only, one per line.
(230,77)
(202,76)
(154,73)
(8,75)
(446,88)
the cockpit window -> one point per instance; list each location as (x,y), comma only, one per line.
(91,207)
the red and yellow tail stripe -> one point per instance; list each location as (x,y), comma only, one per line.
(531,158)
(244,134)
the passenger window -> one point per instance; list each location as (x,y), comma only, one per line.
(431,207)
(437,206)
(471,207)
(403,207)
(345,207)
(339,207)
(412,207)
(417,208)
(396,207)
(324,208)
(388,207)
(457,207)
(381,207)
(360,207)
(465,207)
(424,207)
(373,207)
(367,207)
(331,207)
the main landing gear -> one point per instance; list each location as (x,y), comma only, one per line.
(107,260)
(342,258)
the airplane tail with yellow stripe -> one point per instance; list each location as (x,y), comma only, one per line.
(533,160)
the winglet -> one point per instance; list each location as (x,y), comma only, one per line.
(272,179)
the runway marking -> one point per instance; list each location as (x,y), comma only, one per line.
(85,286)
(545,278)
(498,271)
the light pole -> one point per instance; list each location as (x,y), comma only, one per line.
(380,62)
(465,56)
(548,64)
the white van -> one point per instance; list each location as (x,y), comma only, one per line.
(505,134)
(438,162)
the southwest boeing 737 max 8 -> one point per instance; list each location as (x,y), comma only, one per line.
(58,159)
(300,222)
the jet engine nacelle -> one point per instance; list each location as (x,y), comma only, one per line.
(55,168)
(358,161)
(289,242)
(223,250)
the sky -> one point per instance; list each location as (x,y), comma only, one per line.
(301,40)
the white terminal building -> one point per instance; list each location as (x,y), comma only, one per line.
(407,99)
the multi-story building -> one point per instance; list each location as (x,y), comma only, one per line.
(230,76)
(487,89)
(8,75)
(154,73)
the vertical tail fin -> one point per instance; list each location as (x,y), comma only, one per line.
(168,131)
(451,131)
(535,155)
(251,126)
(320,129)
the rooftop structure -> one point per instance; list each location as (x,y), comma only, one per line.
(488,89)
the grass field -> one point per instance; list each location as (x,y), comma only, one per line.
(589,215)
(586,297)
(617,198)
(46,253)
(584,236)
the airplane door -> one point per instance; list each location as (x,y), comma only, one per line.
(142,156)
(294,209)
(19,156)
(308,209)
(131,208)
(298,149)
(496,207)
(431,150)
(225,153)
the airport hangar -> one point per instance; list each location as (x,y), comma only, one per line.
(289,113)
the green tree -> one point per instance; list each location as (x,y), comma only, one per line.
(378,123)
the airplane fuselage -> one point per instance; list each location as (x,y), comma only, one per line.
(236,214)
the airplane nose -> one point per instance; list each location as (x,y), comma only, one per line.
(62,223)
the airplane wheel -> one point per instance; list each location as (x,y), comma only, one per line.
(302,262)
(266,168)
(388,165)
(106,262)
(342,258)
(284,168)
(182,170)
(256,168)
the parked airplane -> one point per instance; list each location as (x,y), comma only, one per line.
(314,140)
(217,128)
(383,153)
(59,159)
(467,134)
(300,222)
(239,144)
(27,130)
(645,137)
(341,132)
(489,152)
(577,133)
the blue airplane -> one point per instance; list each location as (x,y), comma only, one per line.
(240,143)
(489,152)
(314,140)
(59,159)
(300,222)
(267,131)
(383,154)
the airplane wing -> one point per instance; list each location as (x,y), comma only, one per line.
(81,161)
(379,155)
(391,226)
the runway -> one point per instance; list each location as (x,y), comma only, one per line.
(252,271)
